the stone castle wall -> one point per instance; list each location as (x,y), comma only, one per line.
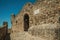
(44,19)
(3,32)
(48,11)
(18,20)
(46,31)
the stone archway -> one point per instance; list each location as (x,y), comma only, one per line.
(26,22)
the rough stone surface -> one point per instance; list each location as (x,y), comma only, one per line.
(47,11)
(40,13)
(3,31)
(47,31)
(24,36)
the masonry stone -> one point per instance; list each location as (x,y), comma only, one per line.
(41,12)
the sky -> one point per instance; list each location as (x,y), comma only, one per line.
(7,7)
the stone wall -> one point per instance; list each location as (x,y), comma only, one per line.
(47,31)
(18,20)
(3,31)
(40,13)
(48,12)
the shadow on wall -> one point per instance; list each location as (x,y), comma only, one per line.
(4,35)
(57,31)
(8,37)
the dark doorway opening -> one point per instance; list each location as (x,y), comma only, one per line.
(26,22)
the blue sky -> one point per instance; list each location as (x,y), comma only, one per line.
(7,7)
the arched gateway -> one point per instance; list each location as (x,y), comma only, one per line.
(26,22)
